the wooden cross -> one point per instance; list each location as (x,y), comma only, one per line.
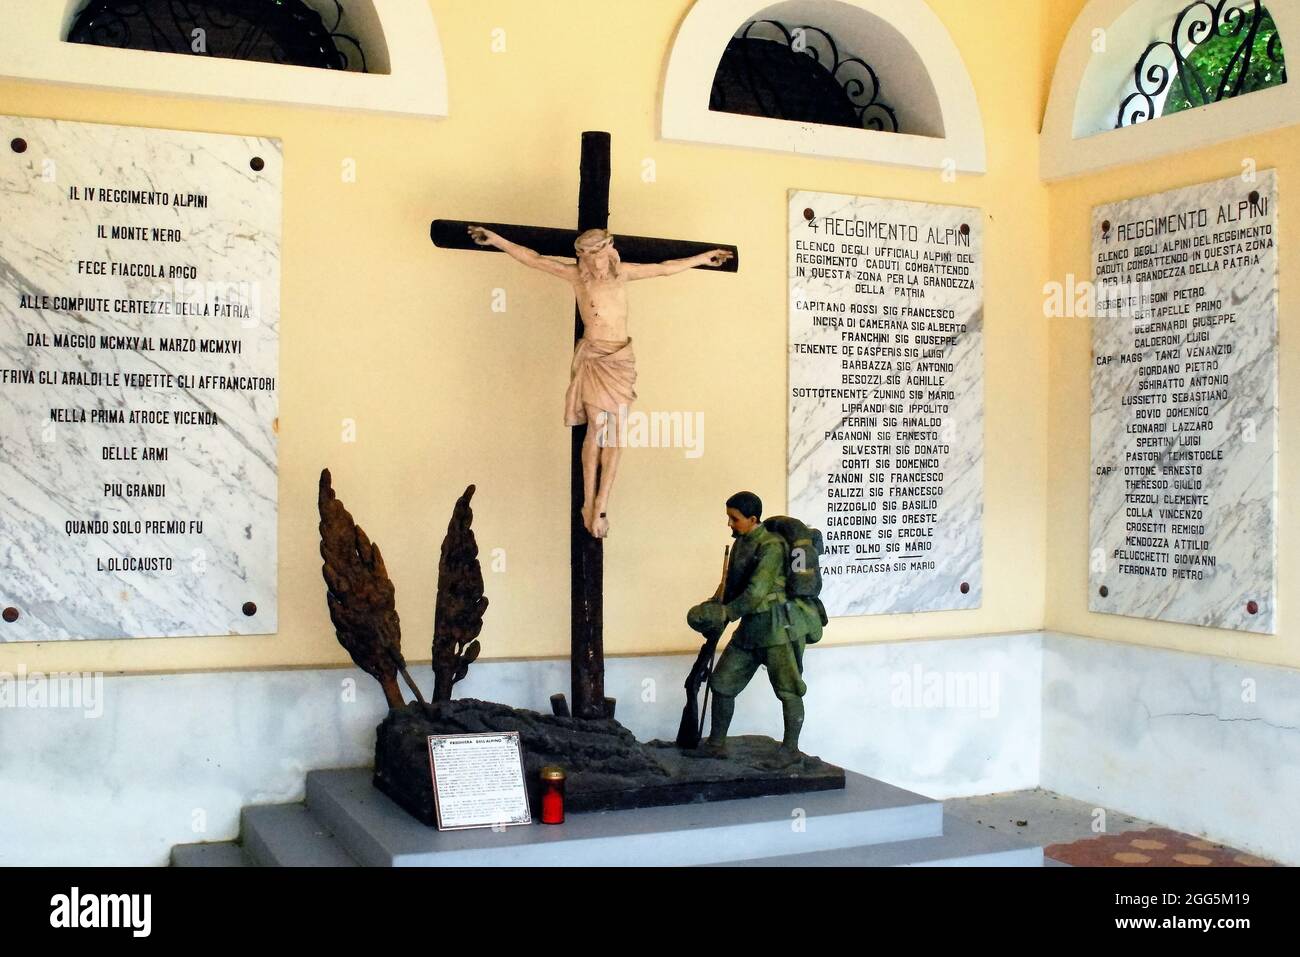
(586,554)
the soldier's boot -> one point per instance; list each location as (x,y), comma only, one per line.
(724,706)
(792,710)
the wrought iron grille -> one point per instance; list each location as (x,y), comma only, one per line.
(1216,51)
(270,31)
(798,73)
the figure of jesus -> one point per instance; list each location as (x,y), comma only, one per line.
(602,382)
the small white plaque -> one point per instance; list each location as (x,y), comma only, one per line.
(478,780)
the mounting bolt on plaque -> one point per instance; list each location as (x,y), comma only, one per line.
(965,229)
(11,615)
(809,215)
(1252,607)
(1105,227)
(965,588)
(257,164)
(1254,197)
(250,609)
(18,144)
(1104,591)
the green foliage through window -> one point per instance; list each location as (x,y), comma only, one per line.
(1220,62)
(1217,50)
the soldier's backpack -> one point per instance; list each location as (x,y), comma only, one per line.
(803,575)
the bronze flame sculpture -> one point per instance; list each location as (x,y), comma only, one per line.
(363,606)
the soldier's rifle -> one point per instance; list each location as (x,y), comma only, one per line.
(691,727)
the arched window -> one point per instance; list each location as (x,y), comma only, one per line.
(1213,52)
(798,73)
(283,31)
(1140,79)
(877,80)
(254,50)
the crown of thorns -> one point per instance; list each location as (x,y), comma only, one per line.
(593,241)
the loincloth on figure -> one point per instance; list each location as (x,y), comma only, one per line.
(603,375)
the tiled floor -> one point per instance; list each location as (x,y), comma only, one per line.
(1154,847)
(1081,834)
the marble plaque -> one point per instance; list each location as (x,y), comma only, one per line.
(886,427)
(1184,406)
(139,365)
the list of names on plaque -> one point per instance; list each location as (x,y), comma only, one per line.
(139,363)
(886,445)
(1184,406)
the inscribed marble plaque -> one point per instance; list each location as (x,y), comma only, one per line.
(139,365)
(1184,406)
(886,421)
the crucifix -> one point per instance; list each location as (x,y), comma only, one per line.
(608,365)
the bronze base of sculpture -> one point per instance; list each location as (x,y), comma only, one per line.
(608,768)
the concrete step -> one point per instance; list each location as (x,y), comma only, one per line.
(288,835)
(223,854)
(374,831)
(962,844)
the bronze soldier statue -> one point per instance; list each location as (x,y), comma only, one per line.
(771,588)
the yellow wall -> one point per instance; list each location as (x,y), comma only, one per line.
(1070,207)
(381,327)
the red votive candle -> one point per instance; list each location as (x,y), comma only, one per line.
(552,795)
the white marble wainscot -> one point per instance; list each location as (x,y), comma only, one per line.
(153,761)
(156,761)
(942,717)
(1173,738)
(139,279)
(887,458)
(1212,390)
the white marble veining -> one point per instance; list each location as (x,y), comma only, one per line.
(1193,540)
(204,281)
(886,422)
(1201,744)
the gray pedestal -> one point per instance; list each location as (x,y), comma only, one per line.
(376,831)
(346,820)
